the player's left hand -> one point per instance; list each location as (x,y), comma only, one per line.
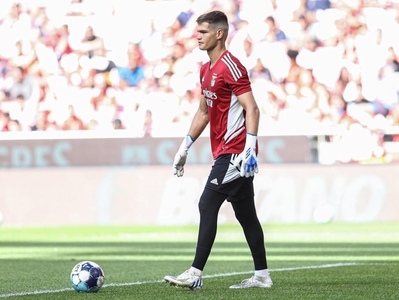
(247,158)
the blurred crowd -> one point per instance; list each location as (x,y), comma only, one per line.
(90,65)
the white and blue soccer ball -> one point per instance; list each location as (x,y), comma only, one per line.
(87,276)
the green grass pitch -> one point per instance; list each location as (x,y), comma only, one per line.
(307,261)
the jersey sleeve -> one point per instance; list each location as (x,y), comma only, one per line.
(236,75)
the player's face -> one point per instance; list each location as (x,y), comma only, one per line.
(206,37)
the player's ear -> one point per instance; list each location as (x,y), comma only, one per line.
(219,34)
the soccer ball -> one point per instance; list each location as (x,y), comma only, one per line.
(87,276)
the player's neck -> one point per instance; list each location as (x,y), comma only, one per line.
(215,54)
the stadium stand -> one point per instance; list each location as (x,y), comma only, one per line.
(317,66)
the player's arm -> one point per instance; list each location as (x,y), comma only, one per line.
(251,108)
(198,124)
(248,159)
(200,120)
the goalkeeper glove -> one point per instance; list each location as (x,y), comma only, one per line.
(181,156)
(247,158)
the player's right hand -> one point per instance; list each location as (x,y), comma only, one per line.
(181,156)
(179,162)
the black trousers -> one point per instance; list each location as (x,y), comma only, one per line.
(239,192)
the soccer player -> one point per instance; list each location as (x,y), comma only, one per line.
(228,105)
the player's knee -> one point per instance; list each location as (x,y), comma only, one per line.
(201,206)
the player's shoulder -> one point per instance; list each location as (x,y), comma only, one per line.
(228,56)
(233,65)
(230,60)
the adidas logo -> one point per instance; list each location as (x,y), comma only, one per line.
(215,181)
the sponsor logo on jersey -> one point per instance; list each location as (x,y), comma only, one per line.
(209,97)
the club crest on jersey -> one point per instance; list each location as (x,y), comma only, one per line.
(214,77)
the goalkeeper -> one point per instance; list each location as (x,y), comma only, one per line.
(227,104)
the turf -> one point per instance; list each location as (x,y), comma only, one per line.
(307,261)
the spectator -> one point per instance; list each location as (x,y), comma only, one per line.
(393,116)
(118,124)
(314,5)
(133,73)
(41,122)
(73,122)
(19,84)
(4,120)
(62,42)
(187,108)
(147,125)
(94,52)
(91,44)
(274,33)
(13,125)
